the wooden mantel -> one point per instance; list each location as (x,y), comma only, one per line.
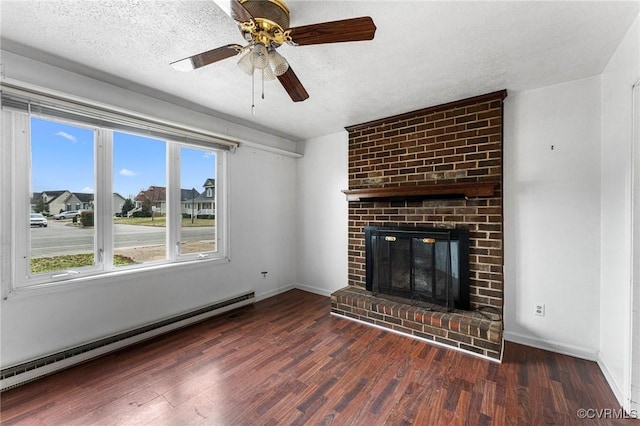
(434,190)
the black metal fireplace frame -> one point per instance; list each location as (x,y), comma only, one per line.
(440,234)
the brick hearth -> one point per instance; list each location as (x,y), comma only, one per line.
(455,143)
(470,331)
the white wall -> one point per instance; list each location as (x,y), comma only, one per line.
(262,238)
(618,78)
(552,216)
(322,214)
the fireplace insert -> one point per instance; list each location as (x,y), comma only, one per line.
(421,264)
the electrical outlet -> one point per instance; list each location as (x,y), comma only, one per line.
(538,309)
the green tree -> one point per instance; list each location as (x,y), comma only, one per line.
(86,218)
(146,208)
(40,206)
(127,206)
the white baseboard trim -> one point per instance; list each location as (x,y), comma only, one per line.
(550,345)
(611,380)
(634,404)
(274,292)
(571,350)
(315,290)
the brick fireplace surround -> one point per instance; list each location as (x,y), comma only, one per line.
(439,167)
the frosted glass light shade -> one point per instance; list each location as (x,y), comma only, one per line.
(278,63)
(268,74)
(245,64)
(259,57)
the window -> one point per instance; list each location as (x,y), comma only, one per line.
(114,196)
(198,224)
(140,173)
(62,163)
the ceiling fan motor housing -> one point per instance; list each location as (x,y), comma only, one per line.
(271,20)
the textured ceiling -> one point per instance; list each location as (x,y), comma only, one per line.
(424,53)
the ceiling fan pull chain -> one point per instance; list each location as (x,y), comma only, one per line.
(253,94)
(263,82)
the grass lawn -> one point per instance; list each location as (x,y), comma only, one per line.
(162,221)
(69,261)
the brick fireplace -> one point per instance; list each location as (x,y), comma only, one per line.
(439,167)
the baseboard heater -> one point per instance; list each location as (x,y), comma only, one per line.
(17,375)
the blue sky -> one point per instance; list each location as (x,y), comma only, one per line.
(62,158)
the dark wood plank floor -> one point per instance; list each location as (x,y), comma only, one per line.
(286,361)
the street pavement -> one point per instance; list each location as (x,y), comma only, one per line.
(62,237)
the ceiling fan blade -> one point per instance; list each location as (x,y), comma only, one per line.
(292,85)
(234,9)
(206,58)
(354,29)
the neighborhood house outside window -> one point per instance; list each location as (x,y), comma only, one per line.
(140,176)
(62,168)
(112,200)
(198,225)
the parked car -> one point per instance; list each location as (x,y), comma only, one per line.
(37,219)
(68,214)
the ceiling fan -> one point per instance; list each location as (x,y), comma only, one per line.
(265,26)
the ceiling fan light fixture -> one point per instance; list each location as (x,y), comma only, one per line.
(267,74)
(245,63)
(278,63)
(265,25)
(259,56)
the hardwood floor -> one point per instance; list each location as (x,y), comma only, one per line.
(286,361)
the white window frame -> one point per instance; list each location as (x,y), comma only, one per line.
(22,188)
(14,265)
(175,193)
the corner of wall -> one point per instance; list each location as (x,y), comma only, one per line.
(616,357)
(611,379)
(321,216)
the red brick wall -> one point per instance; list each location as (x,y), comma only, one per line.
(456,142)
